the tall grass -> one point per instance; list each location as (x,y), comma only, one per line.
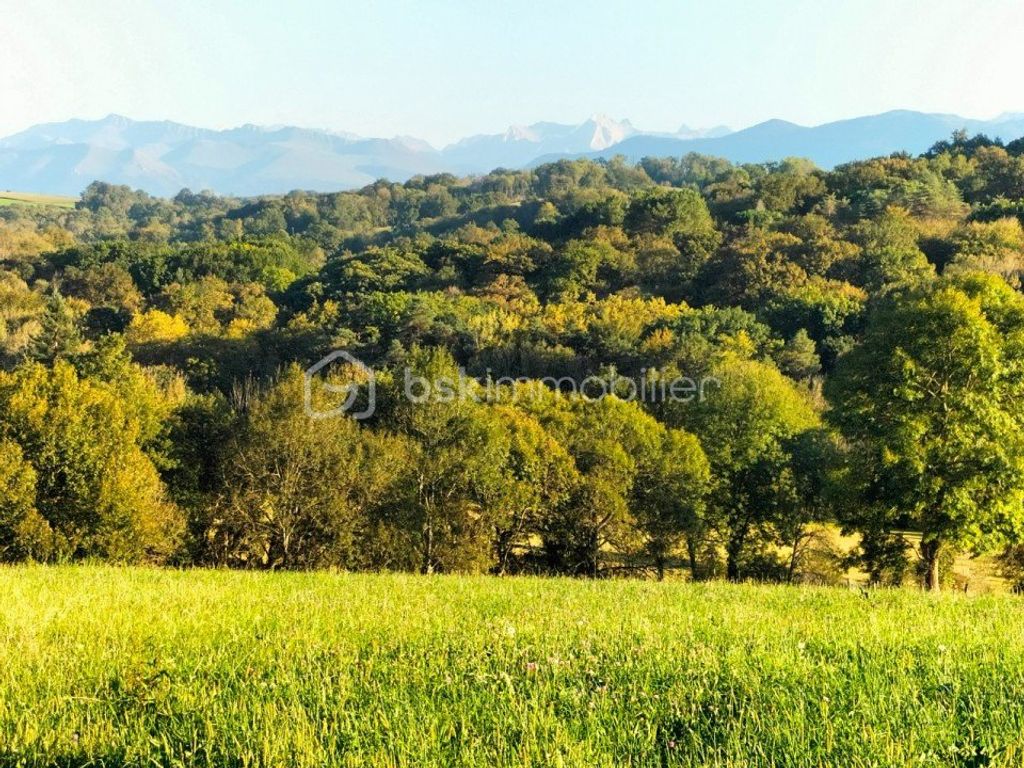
(108,666)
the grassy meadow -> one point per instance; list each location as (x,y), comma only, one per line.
(111,666)
(31,198)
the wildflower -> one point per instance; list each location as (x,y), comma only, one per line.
(531,666)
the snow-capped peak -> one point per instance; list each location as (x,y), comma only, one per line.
(607,131)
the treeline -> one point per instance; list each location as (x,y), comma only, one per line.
(861,325)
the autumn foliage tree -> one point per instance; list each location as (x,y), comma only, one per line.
(96,489)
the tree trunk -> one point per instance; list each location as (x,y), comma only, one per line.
(732,558)
(732,566)
(504,551)
(594,548)
(691,553)
(428,548)
(660,561)
(734,549)
(930,554)
(794,557)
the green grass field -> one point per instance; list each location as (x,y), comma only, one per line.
(30,198)
(106,666)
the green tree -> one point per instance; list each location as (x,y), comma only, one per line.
(793,184)
(536,480)
(296,490)
(799,357)
(614,445)
(664,270)
(932,401)
(457,454)
(573,270)
(680,215)
(891,254)
(746,415)
(148,395)
(103,285)
(666,211)
(996,247)
(813,465)
(59,336)
(670,499)
(752,268)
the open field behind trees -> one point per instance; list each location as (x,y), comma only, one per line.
(30,198)
(122,666)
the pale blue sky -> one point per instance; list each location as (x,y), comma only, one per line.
(448,68)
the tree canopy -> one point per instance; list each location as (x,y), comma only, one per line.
(781,348)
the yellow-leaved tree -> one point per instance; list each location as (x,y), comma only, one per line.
(97,492)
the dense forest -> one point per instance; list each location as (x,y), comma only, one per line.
(863,326)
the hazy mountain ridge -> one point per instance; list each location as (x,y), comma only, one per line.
(828,145)
(163,157)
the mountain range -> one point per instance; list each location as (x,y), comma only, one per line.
(164,157)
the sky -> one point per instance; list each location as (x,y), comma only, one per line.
(443,69)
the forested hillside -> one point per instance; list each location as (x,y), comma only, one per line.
(863,328)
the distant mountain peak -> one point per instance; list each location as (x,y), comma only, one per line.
(520,133)
(411,142)
(686,132)
(595,133)
(606,132)
(774,124)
